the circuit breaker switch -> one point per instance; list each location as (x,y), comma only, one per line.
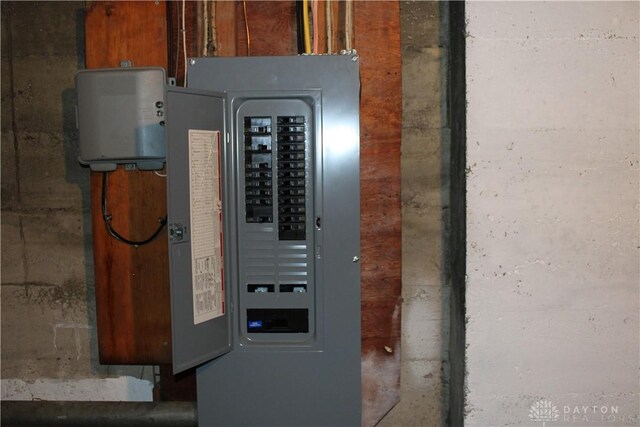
(291,145)
(258,171)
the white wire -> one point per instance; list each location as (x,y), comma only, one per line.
(162,175)
(184,41)
(348,24)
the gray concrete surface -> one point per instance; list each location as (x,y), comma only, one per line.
(424,166)
(553,205)
(48,314)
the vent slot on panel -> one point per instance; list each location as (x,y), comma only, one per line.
(258,170)
(291,178)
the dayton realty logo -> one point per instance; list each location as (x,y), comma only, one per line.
(544,411)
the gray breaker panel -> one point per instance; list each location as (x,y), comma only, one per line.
(304,378)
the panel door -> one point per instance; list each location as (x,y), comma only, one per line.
(200,309)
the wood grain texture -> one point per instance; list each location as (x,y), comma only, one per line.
(226,24)
(377,40)
(132,284)
(271,28)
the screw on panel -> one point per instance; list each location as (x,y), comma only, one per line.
(176,232)
(356,259)
(352,52)
(192,61)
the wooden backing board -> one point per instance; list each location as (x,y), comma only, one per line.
(132,284)
(377,40)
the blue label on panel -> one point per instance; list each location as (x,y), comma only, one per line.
(255,324)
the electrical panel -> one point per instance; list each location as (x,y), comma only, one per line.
(263,190)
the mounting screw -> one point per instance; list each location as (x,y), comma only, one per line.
(356,259)
(192,61)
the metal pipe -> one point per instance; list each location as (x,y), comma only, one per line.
(98,414)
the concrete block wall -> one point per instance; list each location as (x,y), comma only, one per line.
(48,318)
(553,266)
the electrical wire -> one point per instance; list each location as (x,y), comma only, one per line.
(212,48)
(184,41)
(305,19)
(299,27)
(314,16)
(348,24)
(205,30)
(113,233)
(246,27)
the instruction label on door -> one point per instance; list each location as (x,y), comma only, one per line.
(206,225)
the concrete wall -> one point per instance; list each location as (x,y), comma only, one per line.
(425,281)
(48,318)
(552,212)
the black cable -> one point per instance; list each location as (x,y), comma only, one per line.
(107,220)
(300,27)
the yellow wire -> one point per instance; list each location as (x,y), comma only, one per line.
(305,18)
(246,27)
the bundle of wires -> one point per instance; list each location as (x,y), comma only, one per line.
(303,27)
(299,27)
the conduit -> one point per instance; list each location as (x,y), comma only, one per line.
(98,414)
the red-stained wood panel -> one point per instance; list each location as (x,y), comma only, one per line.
(132,284)
(271,27)
(226,23)
(377,40)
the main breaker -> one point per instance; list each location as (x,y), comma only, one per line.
(264,219)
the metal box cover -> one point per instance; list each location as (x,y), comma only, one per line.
(120,117)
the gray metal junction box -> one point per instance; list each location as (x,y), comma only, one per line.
(119,117)
(264,225)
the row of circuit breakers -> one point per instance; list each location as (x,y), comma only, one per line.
(262,166)
(290,142)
